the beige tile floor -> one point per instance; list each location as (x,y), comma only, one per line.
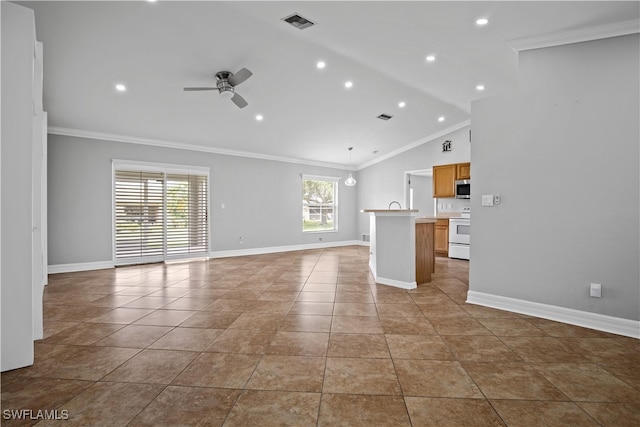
(307,338)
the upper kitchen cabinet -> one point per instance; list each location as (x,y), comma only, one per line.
(445,176)
(444,179)
(463,171)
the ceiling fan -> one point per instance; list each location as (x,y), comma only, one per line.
(226,82)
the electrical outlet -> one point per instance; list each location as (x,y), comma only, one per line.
(496,199)
(596,290)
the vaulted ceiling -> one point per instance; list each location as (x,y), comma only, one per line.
(156,49)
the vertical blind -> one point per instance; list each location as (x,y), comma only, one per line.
(159,215)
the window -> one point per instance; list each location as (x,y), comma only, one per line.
(319,203)
(159,214)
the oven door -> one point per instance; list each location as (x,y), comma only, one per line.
(460,231)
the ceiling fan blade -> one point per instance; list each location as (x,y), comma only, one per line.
(239,101)
(190,89)
(239,77)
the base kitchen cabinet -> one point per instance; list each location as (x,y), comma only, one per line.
(442,237)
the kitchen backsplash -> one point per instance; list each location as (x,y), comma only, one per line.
(451,205)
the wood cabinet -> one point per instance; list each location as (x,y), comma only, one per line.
(442,237)
(425,255)
(444,179)
(445,176)
(463,171)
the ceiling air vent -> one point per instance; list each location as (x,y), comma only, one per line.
(298,21)
(384,117)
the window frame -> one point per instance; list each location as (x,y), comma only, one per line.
(335,205)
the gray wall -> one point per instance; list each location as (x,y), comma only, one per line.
(18,30)
(564,155)
(383,182)
(262,198)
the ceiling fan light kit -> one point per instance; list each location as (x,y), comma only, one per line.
(226,82)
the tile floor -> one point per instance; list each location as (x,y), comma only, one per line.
(308,339)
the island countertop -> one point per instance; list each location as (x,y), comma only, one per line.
(426,220)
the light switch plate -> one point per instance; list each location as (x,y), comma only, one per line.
(487,200)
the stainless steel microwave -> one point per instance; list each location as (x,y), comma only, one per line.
(463,189)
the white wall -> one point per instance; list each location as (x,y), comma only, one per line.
(18,41)
(262,198)
(383,182)
(564,155)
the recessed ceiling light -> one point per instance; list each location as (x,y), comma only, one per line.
(431,58)
(480,87)
(151,1)
(401,104)
(321,64)
(482,21)
(441,119)
(259,117)
(348,84)
(120,87)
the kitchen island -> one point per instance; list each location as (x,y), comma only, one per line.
(395,257)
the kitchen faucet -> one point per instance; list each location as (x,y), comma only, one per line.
(398,203)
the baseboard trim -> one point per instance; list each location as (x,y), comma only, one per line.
(390,282)
(600,322)
(80,266)
(278,249)
(395,283)
(101,265)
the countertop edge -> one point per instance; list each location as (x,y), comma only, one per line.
(426,221)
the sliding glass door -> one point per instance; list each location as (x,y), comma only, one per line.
(187,213)
(159,213)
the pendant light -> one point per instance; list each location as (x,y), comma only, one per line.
(350,181)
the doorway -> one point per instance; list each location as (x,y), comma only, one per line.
(418,191)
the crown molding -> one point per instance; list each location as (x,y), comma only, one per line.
(79,133)
(560,38)
(55,130)
(415,144)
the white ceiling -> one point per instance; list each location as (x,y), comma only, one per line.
(156,49)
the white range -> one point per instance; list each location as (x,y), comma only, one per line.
(460,235)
